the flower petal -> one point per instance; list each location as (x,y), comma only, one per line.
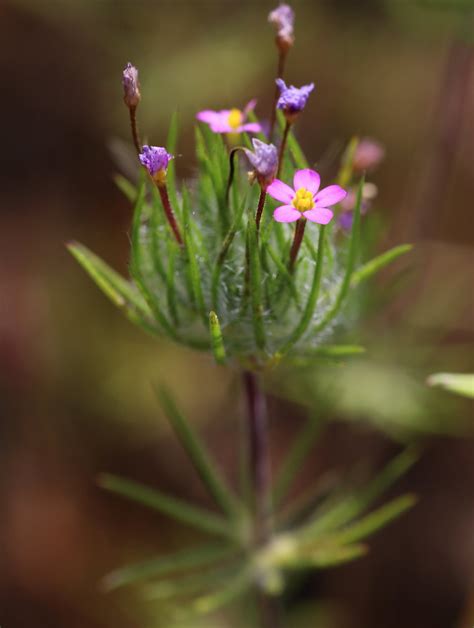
(250,127)
(282,192)
(207,116)
(250,106)
(308,179)
(286,213)
(321,215)
(329,196)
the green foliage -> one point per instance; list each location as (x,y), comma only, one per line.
(261,311)
(458,383)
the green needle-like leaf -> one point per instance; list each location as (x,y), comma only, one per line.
(217,341)
(308,311)
(174,508)
(201,458)
(234,588)
(351,261)
(120,291)
(370,268)
(194,558)
(192,260)
(171,144)
(334,515)
(255,284)
(459,383)
(376,520)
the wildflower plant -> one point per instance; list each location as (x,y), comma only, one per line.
(223,264)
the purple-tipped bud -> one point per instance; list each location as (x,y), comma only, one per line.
(264,159)
(155,159)
(131,86)
(283,19)
(368,155)
(292,99)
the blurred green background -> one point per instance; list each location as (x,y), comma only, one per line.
(75,377)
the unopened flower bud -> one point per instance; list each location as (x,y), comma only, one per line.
(283,19)
(264,158)
(131,86)
(368,154)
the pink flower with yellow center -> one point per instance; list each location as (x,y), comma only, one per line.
(230,120)
(306,200)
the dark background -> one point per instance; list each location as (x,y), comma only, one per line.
(75,377)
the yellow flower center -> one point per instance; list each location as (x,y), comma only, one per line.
(303,200)
(235,118)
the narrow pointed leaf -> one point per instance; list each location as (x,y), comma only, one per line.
(174,508)
(217,341)
(120,291)
(373,266)
(255,285)
(375,520)
(194,558)
(324,557)
(351,261)
(308,311)
(459,383)
(200,457)
(235,587)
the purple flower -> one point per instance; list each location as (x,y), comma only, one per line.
(305,200)
(283,19)
(264,159)
(155,159)
(230,120)
(293,99)
(131,86)
(368,154)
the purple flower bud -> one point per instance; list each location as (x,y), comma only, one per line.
(293,99)
(264,159)
(131,86)
(283,19)
(368,155)
(155,159)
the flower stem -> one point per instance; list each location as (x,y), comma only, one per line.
(261,480)
(162,189)
(297,240)
(280,70)
(261,205)
(283,146)
(134,128)
(230,178)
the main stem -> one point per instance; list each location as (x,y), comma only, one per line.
(261,480)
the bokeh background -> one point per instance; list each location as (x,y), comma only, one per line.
(75,377)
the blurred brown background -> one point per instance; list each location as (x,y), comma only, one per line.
(75,377)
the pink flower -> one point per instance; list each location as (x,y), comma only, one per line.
(230,120)
(305,200)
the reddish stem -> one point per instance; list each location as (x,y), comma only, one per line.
(297,240)
(134,128)
(261,205)
(169,212)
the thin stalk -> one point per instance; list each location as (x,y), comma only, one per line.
(134,128)
(280,70)
(162,189)
(297,240)
(261,479)
(230,178)
(283,146)
(261,205)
